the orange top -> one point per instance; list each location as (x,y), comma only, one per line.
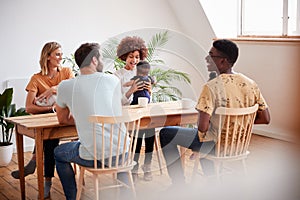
(40,83)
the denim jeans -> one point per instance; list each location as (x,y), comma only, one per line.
(172,136)
(68,153)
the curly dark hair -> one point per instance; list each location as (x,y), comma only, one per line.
(131,44)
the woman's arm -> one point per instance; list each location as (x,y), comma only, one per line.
(47,94)
(32,108)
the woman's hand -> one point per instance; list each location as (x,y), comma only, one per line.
(148,86)
(136,86)
(47,94)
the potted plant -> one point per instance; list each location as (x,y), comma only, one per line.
(7,109)
(163,89)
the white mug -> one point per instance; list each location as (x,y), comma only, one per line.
(143,101)
(187,103)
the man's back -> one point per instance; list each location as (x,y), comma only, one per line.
(228,90)
(101,95)
(235,90)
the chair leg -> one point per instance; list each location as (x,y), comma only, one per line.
(157,152)
(245,167)
(196,162)
(83,182)
(218,166)
(182,156)
(80,184)
(75,168)
(96,183)
(131,184)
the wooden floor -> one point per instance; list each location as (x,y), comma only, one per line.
(273,174)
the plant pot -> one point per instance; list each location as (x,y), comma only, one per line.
(5,154)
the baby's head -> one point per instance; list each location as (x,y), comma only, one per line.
(143,68)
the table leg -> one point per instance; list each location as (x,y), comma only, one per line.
(39,161)
(20,154)
(182,151)
(157,148)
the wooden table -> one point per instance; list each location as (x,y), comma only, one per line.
(45,126)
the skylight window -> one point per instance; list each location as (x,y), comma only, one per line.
(232,18)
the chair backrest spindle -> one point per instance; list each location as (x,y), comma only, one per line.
(235,129)
(119,138)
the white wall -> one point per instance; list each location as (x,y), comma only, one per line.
(27,25)
(275,66)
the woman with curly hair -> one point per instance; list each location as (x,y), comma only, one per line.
(132,50)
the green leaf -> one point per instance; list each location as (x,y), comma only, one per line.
(157,41)
(5,100)
(162,90)
(8,110)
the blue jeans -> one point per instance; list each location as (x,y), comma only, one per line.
(68,153)
(172,136)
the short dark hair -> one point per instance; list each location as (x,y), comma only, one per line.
(131,44)
(228,48)
(84,54)
(142,65)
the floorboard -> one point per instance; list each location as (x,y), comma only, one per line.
(273,173)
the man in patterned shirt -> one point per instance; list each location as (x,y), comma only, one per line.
(228,89)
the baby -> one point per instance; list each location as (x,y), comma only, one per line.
(46,102)
(142,73)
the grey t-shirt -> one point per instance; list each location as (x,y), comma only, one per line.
(86,95)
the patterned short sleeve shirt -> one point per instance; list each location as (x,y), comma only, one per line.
(228,90)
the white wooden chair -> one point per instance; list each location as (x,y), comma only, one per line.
(114,158)
(234,134)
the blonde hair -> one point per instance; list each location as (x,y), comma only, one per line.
(46,51)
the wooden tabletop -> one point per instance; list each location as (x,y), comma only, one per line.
(160,111)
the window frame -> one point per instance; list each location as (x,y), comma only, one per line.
(284,29)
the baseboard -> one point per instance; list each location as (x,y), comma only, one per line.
(275,134)
(28,144)
(26,149)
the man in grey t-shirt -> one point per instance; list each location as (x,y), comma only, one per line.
(92,92)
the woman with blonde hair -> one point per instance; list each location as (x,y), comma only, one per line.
(41,90)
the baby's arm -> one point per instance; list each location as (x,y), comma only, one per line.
(152,80)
